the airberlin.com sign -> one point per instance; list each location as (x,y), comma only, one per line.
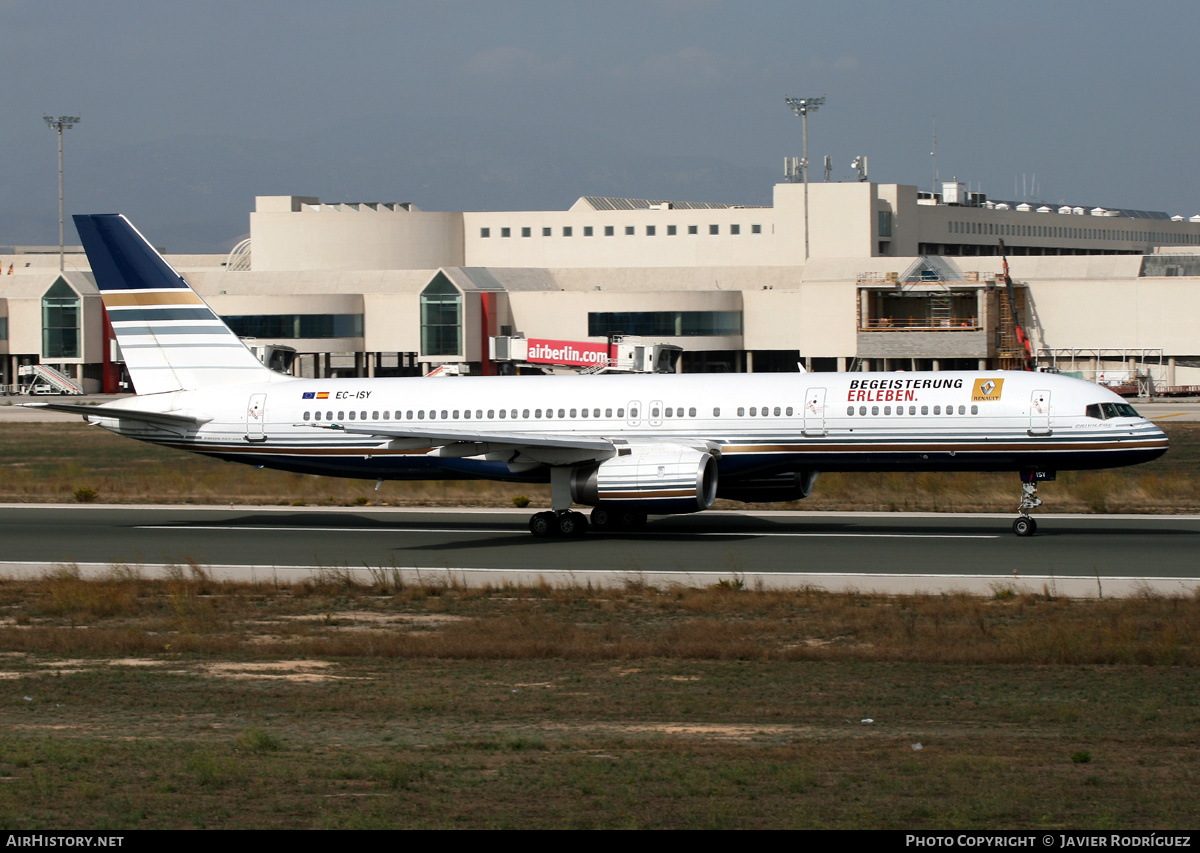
(574,353)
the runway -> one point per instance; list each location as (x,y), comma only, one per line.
(1073,555)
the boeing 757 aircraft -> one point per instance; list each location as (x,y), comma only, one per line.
(625,445)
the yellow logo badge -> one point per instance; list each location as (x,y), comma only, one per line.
(986,389)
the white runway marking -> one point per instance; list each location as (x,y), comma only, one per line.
(524,533)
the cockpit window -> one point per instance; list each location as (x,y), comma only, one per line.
(1105,411)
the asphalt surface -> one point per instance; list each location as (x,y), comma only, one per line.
(892,552)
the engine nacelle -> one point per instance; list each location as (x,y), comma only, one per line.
(652,478)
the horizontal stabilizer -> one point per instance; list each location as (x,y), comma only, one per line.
(91,413)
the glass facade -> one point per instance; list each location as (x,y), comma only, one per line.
(441,318)
(60,322)
(672,323)
(293,326)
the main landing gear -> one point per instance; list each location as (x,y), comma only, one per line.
(1025,525)
(569,524)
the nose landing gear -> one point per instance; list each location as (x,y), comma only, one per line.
(1026,525)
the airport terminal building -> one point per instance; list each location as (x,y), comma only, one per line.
(875,277)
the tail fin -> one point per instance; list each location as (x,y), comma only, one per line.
(170,339)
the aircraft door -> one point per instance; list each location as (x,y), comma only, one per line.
(633,415)
(256,415)
(814,412)
(655,414)
(1039,413)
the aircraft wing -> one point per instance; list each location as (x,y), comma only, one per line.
(453,436)
(162,419)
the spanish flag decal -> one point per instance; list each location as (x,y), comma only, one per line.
(986,389)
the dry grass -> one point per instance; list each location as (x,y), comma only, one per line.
(181,702)
(79,463)
(333,616)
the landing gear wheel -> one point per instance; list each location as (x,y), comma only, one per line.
(602,519)
(543,525)
(631,520)
(573,525)
(1024,526)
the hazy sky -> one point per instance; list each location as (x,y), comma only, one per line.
(191,109)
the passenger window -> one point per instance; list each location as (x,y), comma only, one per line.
(912,410)
(962,410)
(306,414)
(562,413)
(329,416)
(654,412)
(514,413)
(537,413)
(692,412)
(352,416)
(716,413)
(387,416)
(492,414)
(595,413)
(887,410)
(572,413)
(974,410)
(444,413)
(608,413)
(850,410)
(924,410)
(467,414)
(862,410)
(937,410)
(789,411)
(456,414)
(620,413)
(777,411)
(874,410)
(753,411)
(408,415)
(374,416)
(633,413)
(583,412)
(479,413)
(342,416)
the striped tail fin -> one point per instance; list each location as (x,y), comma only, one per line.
(170,339)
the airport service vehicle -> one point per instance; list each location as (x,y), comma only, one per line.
(628,446)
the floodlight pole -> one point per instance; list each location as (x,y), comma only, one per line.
(802,107)
(59,124)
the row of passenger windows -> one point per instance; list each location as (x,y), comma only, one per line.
(912,410)
(655,413)
(630,230)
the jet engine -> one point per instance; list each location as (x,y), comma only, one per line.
(653,478)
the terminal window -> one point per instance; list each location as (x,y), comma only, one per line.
(672,230)
(628,230)
(714,229)
(693,229)
(755,229)
(567,231)
(735,229)
(485,232)
(505,232)
(649,230)
(526,232)
(587,231)
(545,232)
(608,230)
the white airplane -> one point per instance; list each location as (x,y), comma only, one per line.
(626,445)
